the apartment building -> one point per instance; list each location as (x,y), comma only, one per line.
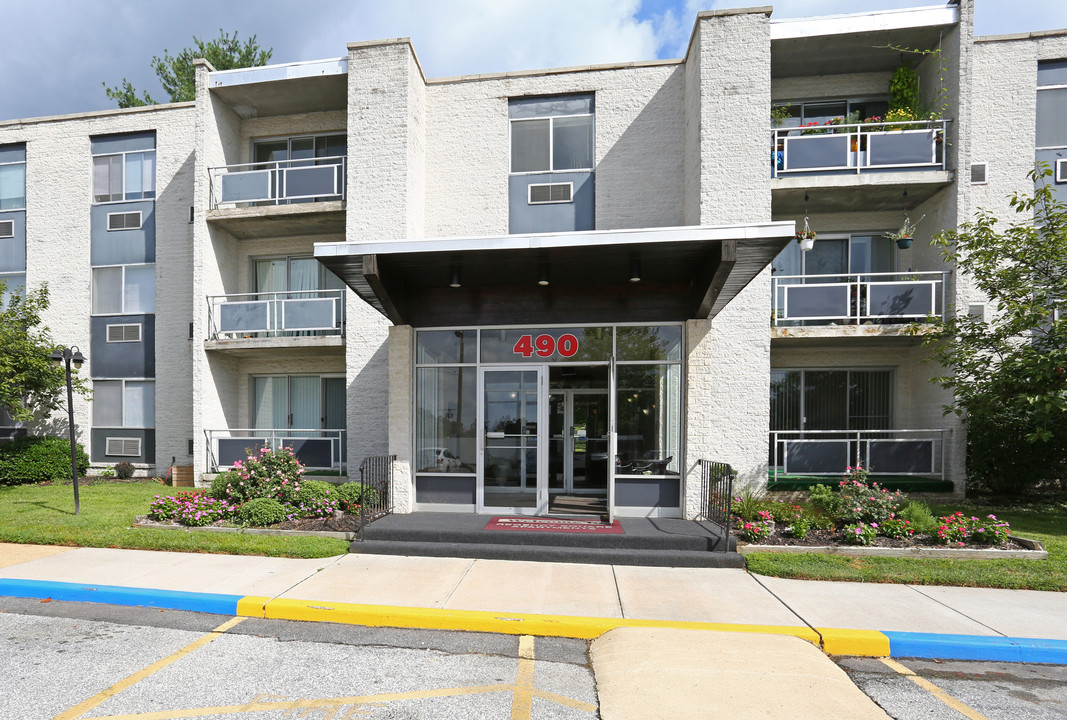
(535,287)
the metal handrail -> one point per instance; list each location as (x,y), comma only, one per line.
(275,316)
(860,285)
(277,183)
(716,494)
(859,448)
(375,473)
(274,438)
(856,158)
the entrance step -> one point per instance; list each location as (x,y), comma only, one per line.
(662,542)
(578,505)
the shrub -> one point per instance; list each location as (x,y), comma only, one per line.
(952,530)
(825,499)
(784,513)
(897,528)
(220,486)
(860,533)
(265,473)
(315,499)
(194,508)
(33,459)
(989,531)
(867,503)
(919,515)
(353,494)
(799,528)
(163,507)
(261,511)
(107,473)
(747,504)
(124,470)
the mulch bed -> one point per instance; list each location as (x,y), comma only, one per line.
(821,538)
(345,523)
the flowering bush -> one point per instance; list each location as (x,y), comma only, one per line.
(267,473)
(163,507)
(897,528)
(197,509)
(799,528)
(952,529)
(756,531)
(989,531)
(860,533)
(866,502)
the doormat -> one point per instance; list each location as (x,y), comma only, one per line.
(535,524)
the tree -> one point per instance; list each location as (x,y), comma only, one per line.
(1009,372)
(29,382)
(177,75)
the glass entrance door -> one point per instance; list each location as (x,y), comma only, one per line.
(578,447)
(512,463)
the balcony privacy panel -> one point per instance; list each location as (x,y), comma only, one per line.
(309,314)
(902,456)
(243,316)
(816,456)
(312,452)
(233,449)
(320,180)
(816,151)
(906,147)
(245,186)
(816,301)
(903,299)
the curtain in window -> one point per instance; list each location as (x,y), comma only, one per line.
(107,403)
(14,284)
(107,290)
(139,404)
(303,275)
(572,143)
(785,400)
(139,294)
(270,407)
(12,187)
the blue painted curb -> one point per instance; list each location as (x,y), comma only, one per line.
(114,595)
(976,647)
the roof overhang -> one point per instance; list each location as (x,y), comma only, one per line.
(685,272)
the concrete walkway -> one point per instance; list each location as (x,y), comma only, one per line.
(653,624)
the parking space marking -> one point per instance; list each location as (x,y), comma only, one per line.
(522,699)
(85,706)
(965,710)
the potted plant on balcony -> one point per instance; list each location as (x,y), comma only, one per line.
(806,237)
(906,234)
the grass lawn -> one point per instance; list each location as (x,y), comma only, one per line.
(44,515)
(1043,521)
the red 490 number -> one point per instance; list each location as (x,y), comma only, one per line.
(546,346)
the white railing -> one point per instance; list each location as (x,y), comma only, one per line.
(882,452)
(276,314)
(859,147)
(860,297)
(320,449)
(278,182)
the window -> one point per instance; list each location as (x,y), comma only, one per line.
(124,403)
(12,177)
(124,290)
(806,113)
(551,135)
(124,176)
(831,399)
(855,254)
(124,221)
(14,284)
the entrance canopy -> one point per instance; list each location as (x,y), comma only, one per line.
(640,275)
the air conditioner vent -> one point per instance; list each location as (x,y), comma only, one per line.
(543,194)
(1061,171)
(123,446)
(124,333)
(7,228)
(124,221)
(978,173)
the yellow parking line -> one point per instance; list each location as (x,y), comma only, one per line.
(563,700)
(522,699)
(965,710)
(87,705)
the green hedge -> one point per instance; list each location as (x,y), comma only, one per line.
(33,459)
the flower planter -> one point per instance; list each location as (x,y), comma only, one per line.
(806,243)
(904,243)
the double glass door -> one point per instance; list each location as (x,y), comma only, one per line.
(578,446)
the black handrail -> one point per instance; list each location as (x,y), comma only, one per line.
(716,492)
(376,497)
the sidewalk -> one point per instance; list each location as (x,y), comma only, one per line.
(651,613)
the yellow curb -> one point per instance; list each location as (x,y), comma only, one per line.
(252,606)
(865,643)
(585,628)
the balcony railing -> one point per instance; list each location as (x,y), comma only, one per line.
(881,452)
(859,147)
(854,299)
(279,182)
(317,449)
(276,314)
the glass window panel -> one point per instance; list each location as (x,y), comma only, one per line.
(529,146)
(148,174)
(305,402)
(272,151)
(649,343)
(821,112)
(649,418)
(107,290)
(139,295)
(785,400)
(12,187)
(827,257)
(300,148)
(14,284)
(445,418)
(446,346)
(572,142)
(101,179)
(270,403)
(825,400)
(869,400)
(593,344)
(139,404)
(114,172)
(1052,117)
(107,403)
(530,107)
(134,182)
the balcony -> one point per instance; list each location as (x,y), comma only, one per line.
(275,199)
(316,449)
(859,147)
(868,304)
(294,320)
(905,452)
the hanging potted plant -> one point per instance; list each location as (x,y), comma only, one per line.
(806,237)
(906,234)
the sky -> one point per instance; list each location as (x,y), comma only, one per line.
(58,54)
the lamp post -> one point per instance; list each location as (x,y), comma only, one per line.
(66,356)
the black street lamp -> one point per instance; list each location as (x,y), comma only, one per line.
(67,356)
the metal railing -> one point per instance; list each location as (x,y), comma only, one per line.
(716,493)
(859,147)
(319,449)
(376,499)
(918,452)
(857,298)
(300,180)
(276,314)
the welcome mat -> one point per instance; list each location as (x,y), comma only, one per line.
(536,524)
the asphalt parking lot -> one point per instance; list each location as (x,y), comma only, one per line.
(74,660)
